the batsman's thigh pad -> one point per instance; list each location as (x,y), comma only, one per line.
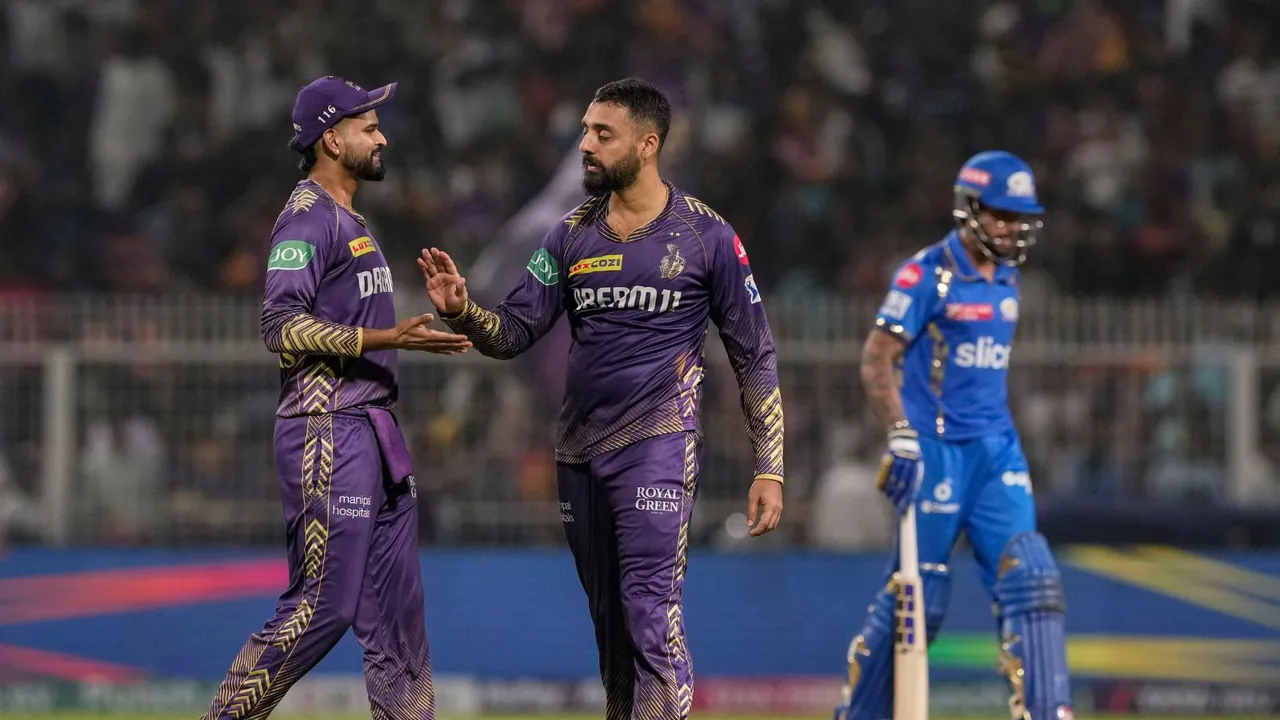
(869,693)
(1032,608)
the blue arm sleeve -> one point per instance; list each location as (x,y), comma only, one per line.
(911,302)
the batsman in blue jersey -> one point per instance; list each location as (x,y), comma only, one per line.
(947,326)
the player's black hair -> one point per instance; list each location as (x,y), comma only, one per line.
(646,103)
(308,154)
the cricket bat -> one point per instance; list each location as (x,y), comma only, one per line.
(910,645)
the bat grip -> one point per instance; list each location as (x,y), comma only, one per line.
(908,550)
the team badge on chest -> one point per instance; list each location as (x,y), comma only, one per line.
(672,263)
(1009,309)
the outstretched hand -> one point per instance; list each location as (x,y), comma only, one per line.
(413,334)
(764,506)
(445,285)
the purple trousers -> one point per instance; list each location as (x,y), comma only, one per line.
(626,516)
(352,543)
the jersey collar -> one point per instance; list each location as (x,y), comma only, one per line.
(963,265)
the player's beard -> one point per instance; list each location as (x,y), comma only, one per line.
(611,178)
(364,167)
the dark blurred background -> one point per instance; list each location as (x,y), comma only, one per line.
(143,161)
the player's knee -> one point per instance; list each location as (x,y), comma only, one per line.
(1032,608)
(936,580)
(1028,579)
(869,690)
(656,626)
(340,613)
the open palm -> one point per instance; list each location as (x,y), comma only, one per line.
(445,285)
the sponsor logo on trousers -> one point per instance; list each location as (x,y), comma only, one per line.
(354,506)
(658,500)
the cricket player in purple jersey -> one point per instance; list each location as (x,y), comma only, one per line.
(346,479)
(639,267)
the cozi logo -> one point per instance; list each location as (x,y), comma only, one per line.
(986,354)
(604,263)
(291,255)
(544,268)
(636,297)
(658,500)
(372,282)
(1017,479)
(361,246)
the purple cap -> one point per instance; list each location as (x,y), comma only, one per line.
(329,99)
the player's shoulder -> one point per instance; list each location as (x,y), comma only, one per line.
(925,262)
(698,215)
(310,211)
(583,215)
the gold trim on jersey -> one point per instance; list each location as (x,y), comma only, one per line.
(251,692)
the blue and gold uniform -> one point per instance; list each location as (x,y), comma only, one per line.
(957,329)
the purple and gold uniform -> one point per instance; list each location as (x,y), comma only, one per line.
(628,442)
(345,475)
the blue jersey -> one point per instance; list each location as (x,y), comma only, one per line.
(958,329)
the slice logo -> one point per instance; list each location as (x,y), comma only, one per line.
(740,251)
(544,268)
(291,255)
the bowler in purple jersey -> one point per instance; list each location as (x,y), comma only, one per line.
(345,475)
(639,268)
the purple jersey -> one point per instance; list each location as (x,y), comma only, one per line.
(327,280)
(638,314)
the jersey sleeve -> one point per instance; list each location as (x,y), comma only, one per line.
(739,315)
(911,302)
(529,311)
(301,250)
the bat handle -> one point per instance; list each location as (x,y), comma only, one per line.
(908,549)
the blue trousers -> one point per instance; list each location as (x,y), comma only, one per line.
(981,487)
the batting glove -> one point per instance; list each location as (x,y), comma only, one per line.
(901,469)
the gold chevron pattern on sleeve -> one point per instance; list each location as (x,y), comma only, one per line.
(302,200)
(763,408)
(305,333)
(486,331)
(689,376)
(696,205)
(576,216)
(295,625)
